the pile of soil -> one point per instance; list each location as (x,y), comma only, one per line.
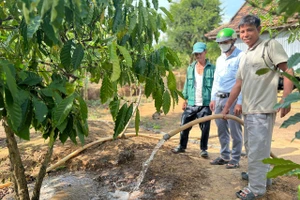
(110,170)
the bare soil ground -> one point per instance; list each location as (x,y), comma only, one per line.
(110,170)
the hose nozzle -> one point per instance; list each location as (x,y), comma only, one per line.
(166,136)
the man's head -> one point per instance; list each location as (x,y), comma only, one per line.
(249,27)
(226,38)
(199,51)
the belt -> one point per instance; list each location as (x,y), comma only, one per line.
(223,95)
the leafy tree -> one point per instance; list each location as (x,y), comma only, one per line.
(283,10)
(192,19)
(47,49)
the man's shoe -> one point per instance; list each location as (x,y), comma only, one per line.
(204,154)
(178,150)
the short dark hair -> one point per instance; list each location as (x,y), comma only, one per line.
(250,20)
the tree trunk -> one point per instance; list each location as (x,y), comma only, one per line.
(17,168)
(42,173)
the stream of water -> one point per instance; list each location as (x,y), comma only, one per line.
(146,165)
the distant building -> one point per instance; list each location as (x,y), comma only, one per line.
(282,38)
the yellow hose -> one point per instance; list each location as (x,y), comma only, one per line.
(166,137)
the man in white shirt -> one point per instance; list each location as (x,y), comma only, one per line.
(224,79)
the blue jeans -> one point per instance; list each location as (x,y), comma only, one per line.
(191,113)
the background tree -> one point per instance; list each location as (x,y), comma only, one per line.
(192,19)
(48,47)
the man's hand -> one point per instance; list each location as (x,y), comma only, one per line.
(284,111)
(184,105)
(212,105)
(237,110)
(224,112)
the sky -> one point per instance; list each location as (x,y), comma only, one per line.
(230,7)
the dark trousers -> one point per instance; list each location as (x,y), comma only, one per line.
(191,113)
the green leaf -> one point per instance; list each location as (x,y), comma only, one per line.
(14,110)
(114,108)
(62,110)
(266,2)
(157,96)
(9,78)
(149,87)
(132,22)
(288,8)
(145,14)
(33,26)
(291,98)
(140,67)
(172,57)
(297,135)
(24,130)
(63,137)
(166,102)
(63,126)
(67,131)
(79,131)
(46,6)
(281,166)
(171,80)
(115,61)
(57,13)
(118,15)
(126,55)
(90,15)
(77,56)
(65,54)
(49,31)
(174,97)
(155,4)
(128,114)
(106,90)
(83,107)
(170,16)
(72,135)
(137,121)
(31,79)
(120,123)
(40,110)
(262,71)
(293,60)
(291,121)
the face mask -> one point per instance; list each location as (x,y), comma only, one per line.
(225,47)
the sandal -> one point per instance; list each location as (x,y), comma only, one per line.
(232,165)
(247,194)
(245,176)
(178,150)
(219,161)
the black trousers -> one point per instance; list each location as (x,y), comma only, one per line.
(191,113)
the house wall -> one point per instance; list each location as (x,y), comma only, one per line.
(282,38)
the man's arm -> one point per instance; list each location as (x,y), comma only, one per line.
(235,91)
(287,87)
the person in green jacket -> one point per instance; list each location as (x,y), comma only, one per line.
(197,92)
